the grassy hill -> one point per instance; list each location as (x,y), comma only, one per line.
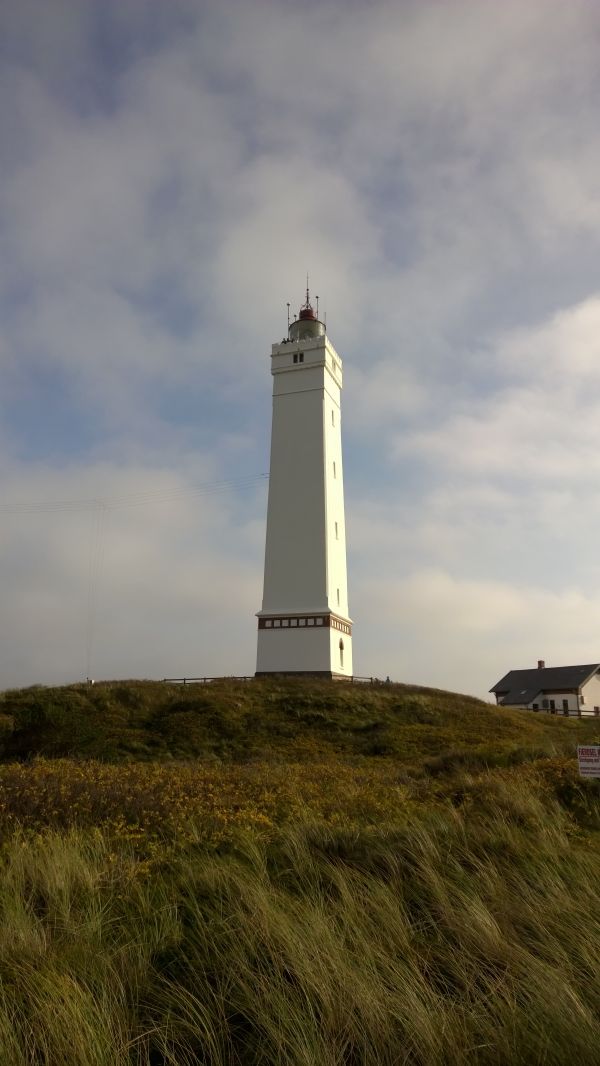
(295,872)
(271,719)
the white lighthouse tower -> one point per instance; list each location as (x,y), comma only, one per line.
(304,625)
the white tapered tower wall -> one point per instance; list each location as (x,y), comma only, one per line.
(304,624)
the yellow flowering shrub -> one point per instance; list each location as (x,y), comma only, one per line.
(208,801)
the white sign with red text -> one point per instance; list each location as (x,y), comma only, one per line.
(589,760)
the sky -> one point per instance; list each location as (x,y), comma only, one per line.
(169,173)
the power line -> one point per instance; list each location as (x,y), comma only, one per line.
(134,499)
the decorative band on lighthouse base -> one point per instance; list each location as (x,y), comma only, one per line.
(299,621)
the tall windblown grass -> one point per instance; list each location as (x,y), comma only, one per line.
(300,874)
(469,932)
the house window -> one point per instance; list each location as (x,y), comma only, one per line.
(597,711)
(300,357)
(536,706)
(545,704)
(565,704)
(552,705)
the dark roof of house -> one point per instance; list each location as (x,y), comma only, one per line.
(522,686)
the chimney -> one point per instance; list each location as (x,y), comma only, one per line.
(541,664)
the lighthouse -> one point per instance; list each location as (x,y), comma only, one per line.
(304,625)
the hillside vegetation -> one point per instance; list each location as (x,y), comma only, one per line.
(294,872)
(271,719)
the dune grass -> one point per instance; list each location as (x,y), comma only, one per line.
(467,934)
(399,877)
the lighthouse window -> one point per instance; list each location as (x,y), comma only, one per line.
(333,418)
(268,623)
(277,623)
(341,652)
(334,471)
(302,621)
(311,621)
(338,596)
(336,531)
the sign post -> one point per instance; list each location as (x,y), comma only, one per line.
(589,760)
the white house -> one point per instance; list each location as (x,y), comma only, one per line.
(568,690)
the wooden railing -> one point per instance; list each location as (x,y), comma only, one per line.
(202,680)
(206,680)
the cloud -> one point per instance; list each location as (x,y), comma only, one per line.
(126,572)
(542,423)
(435,629)
(170,175)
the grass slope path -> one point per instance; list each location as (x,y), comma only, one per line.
(297,873)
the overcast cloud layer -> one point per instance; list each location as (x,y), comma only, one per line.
(169,173)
